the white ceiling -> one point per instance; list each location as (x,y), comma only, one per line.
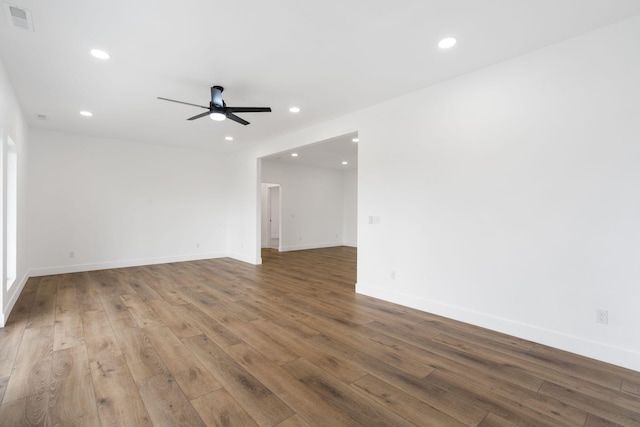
(330,153)
(327,57)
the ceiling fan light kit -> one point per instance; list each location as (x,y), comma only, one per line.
(218,110)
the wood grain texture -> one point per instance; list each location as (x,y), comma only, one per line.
(117,397)
(32,369)
(260,402)
(194,379)
(288,344)
(72,398)
(166,403)
(219,409)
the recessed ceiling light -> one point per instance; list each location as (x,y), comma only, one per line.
(228,138)
(86,113)
(447,43)
(100,54)
(355,140)
(345,163)
(294,154)
(294,109)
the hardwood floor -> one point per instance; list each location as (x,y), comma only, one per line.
(288,343)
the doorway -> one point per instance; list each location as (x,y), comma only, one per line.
(270,216)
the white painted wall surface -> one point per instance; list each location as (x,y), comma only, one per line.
(244,191)
(264,215)
(274,212)
(508,198)
(13,124)
(350,215)
(116,203)
(312,204)
(512,200)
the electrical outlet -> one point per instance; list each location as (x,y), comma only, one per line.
(72,254)
(393,275)
(602,316)
(197,245)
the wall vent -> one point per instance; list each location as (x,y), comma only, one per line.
(19,17)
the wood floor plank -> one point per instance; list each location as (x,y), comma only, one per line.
(32,368)
(403,403)
(492,420)
(568,366)
(564,358)
(354,404)
(28,411)
(43,312)
(3,387)
(284,317)
(595,421)
(509,409)
(113,305)
(69,331)
(269,344)
(117,397)
(516,366)
(262,404)
(179,323)
(294,421)
(142,312)
(219,409)
(289,389)
(138,281)
(210,327)
(194,379)
(141,357)
(286,343)
(631,387)
(449,403)
(604,410)
(72,397)
(166,403)
(99,338)
(87,293)
(10,338)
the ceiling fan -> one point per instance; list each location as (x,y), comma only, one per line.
(218,109)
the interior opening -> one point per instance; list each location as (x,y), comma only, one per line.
(309,196)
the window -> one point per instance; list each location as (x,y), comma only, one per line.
(12,211)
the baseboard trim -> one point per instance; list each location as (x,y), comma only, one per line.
(595,350)
(15,290)
(244,258)
(76,268)
(310,246)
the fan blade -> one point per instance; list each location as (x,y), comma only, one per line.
(235,118)
(249,109)
(216,96)
(180,102)
(199,115)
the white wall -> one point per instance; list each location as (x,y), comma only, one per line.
(116,203)
(13,125)
(312,204)
(350,202)
(512,199)
(508,198)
